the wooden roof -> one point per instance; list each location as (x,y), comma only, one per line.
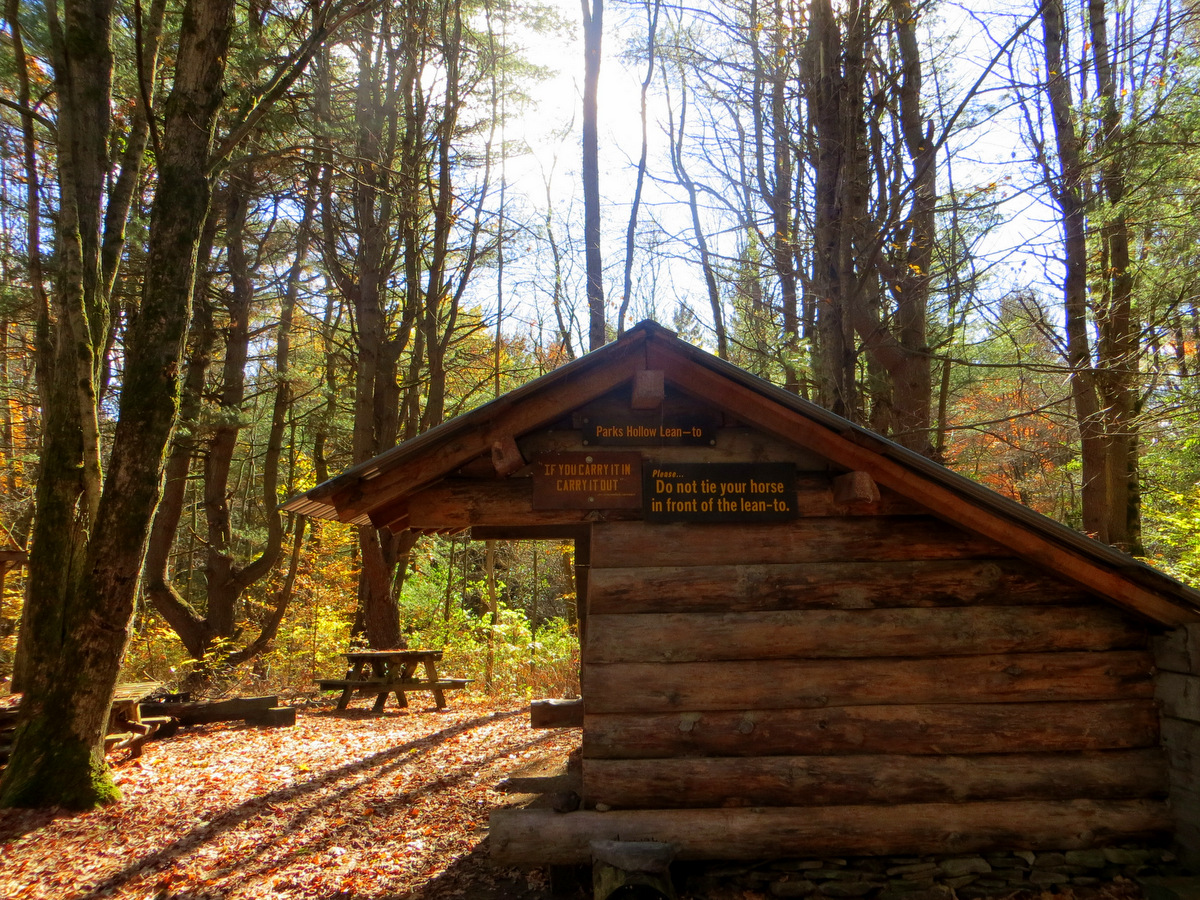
(372,490)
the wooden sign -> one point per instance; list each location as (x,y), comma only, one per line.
(649,428)
(719,492)
(587,481)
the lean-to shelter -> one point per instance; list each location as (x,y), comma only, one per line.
(801,639)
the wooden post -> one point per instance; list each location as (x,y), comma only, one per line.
(1177,689)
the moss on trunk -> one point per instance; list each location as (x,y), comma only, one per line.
(63,771)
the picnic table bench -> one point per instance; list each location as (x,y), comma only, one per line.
(383,672)
(127,727)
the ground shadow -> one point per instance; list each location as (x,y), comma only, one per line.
(379,764)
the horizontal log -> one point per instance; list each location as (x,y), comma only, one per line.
(734,444)
(544,836)
(688,637)
(556,713)
(1179,695)
(798,684)
(205,712)
(834,539)
(944,728)
(830,585)
(464,502)
(848,780)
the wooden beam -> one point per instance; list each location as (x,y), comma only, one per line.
(466,502)
(734,444)
(827,585)
(757,409)
(506,456)
(792,683)
(545,836)
(531,533)
(556,714)
(510,415)
(968,728)
(696,783)
(820,634)
(866,538)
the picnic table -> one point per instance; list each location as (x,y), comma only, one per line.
(383,672)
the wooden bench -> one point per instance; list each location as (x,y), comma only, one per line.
(391,672)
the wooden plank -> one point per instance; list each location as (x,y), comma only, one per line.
(833,585)
(799,684)
(510,415)
(556,714)
(1181,739)
(1178,650)
(1179,695)
(866,538)
(734,444)
(757,409)
(697,783)
(545,836)
(690,637)
(951,728)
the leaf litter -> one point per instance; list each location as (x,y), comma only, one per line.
(343,805)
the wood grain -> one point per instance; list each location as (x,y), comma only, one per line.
(799,684)
(544,836)
(820,634)
(848,780)
(826,585)
(834,539)
(944,728)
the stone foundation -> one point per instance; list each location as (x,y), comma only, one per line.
(966,877)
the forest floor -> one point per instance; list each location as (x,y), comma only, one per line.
(349,805)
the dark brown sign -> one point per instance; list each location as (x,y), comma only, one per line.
(720,492)
(597,480)
(650,428)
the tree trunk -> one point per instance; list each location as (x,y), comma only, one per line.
(593,30)
(1068,193)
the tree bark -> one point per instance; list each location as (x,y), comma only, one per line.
(593,31)
(80,626)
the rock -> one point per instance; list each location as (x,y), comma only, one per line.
(961,881)
(1048,876)
(1120,856)
(1086,881)
(1091,859)
(835,874)
(910,868)
(843,890)
(1025,855)
(953,868)
(1049,860)
(937,892)
(792,888)
(796,865)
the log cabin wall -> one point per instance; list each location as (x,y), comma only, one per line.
(862,657)
(1177,655)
